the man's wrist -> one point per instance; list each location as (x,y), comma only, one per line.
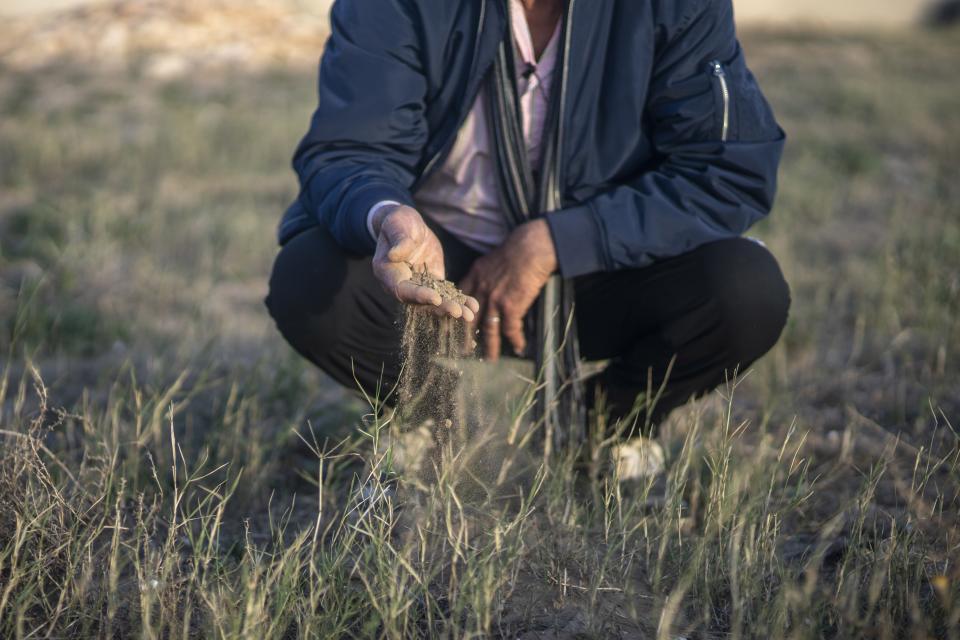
(540,242)
(378,214)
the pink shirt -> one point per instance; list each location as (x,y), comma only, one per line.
(462,196)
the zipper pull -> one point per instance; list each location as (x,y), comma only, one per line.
(721,74)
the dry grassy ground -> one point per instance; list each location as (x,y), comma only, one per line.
(156,483)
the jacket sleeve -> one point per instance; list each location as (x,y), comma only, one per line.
(368,131)
(712,181)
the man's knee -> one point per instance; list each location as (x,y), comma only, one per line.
(304,282)
(751,293)
(310,334)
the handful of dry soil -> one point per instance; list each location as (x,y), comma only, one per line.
(446,289)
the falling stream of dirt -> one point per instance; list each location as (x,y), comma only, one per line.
(432,393)
(442,423)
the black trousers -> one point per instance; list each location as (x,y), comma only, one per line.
(709,312)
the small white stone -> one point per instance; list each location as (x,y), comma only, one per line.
(639,458)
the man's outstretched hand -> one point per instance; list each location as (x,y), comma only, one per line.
(507,282)
(404,241)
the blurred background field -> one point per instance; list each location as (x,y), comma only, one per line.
(144,163)
(882,12)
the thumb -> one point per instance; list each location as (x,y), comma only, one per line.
(401,252)
(400,245)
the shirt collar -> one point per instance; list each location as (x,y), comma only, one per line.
(524,42)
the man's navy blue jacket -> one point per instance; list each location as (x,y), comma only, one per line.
(668,143)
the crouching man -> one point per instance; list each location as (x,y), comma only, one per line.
(618,147)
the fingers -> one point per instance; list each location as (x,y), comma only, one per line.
(451,308)
(499,323)
(409,293)
(473,304)
(469,313)
(456,310)
(513,332)
(469,309)
(489,316)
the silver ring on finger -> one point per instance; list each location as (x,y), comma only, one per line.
(493,320)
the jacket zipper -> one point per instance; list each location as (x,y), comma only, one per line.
(721,74)
(556,189)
